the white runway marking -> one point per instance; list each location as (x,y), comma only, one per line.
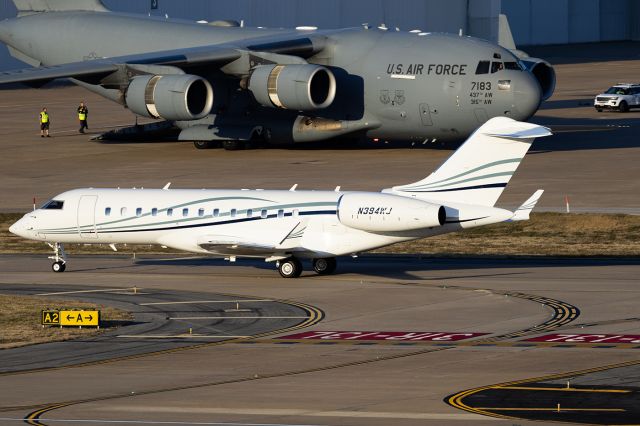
(236,317)
(181,336)
(108,290)
(204,301)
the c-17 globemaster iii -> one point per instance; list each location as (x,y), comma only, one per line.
(226,83)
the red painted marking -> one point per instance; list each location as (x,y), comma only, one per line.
(587,338)
(406,336)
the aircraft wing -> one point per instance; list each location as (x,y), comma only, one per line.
(218,55)
(229,245)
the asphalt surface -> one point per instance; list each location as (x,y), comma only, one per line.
(163,321)
(272,379)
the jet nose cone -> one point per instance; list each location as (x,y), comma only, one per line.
(19,228)
(527,97)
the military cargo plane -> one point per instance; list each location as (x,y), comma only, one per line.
(223,83)
(286,226)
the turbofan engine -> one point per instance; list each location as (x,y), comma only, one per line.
(298,87)
(172,97)
(544,73)
(388,213)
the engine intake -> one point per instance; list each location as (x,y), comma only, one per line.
(172,97)
(388,213)
(298,87)
(544,73)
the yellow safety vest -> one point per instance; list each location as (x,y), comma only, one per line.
(82,115)
(44,117)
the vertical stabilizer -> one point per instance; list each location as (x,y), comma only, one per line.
(28,7)
(481,168)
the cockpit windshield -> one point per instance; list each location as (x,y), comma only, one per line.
(53,205)
(617,91)
(484,67)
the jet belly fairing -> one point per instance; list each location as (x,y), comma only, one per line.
(381,84)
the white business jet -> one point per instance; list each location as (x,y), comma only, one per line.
(286,226)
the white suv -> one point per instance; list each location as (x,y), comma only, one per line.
(622,97)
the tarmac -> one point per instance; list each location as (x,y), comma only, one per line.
(397,340)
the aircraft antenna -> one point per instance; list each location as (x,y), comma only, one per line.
(166,187)
(293,188)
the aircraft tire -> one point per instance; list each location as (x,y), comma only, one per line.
(233,145)
(324,266)
(204,144)
(290,268)
(58,266)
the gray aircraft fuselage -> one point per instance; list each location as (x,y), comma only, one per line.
(390,85)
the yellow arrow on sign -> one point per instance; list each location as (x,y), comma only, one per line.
(80,318)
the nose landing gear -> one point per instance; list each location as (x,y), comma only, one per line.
(59,258)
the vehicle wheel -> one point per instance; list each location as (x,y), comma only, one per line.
(290,268)
(233,145)
(58,266)
(599,109)
(324,266)
(624,107)
(204,144)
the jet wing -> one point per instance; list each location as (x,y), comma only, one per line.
(229,245)
(94,70)
(218,55)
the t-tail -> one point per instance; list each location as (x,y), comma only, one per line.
(481,168)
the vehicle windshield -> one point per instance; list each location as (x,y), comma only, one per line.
(617,91)
(53,205)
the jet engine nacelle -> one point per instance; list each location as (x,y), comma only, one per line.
(544,73)
(388,213)
(172,97)
(298,87)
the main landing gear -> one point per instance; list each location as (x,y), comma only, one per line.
(292,268)
(59,258)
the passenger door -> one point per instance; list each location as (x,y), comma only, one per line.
(87,216)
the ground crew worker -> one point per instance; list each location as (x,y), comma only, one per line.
(83,112)
(44,123)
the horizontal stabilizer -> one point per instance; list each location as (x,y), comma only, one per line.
(523,212)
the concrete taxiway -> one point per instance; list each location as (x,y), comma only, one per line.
(269,380)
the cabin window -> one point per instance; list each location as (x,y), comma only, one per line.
(123,211)
(496,66)
(154,212)
(201,212)
(263,213)
(249,213)
(296,212)
(169,212)
(233,212)
(216,212)
(483,67)
(107,211)
(185,212)
(280,214)
(139,211)
(53,205)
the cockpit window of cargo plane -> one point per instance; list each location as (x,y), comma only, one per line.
(495,66)
(53,205)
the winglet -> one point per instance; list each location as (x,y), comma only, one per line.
(522,213)
(166,187)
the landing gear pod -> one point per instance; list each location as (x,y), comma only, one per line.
(388,213)
(172,97)
(298,87)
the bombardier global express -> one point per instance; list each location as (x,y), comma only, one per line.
(286,226)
